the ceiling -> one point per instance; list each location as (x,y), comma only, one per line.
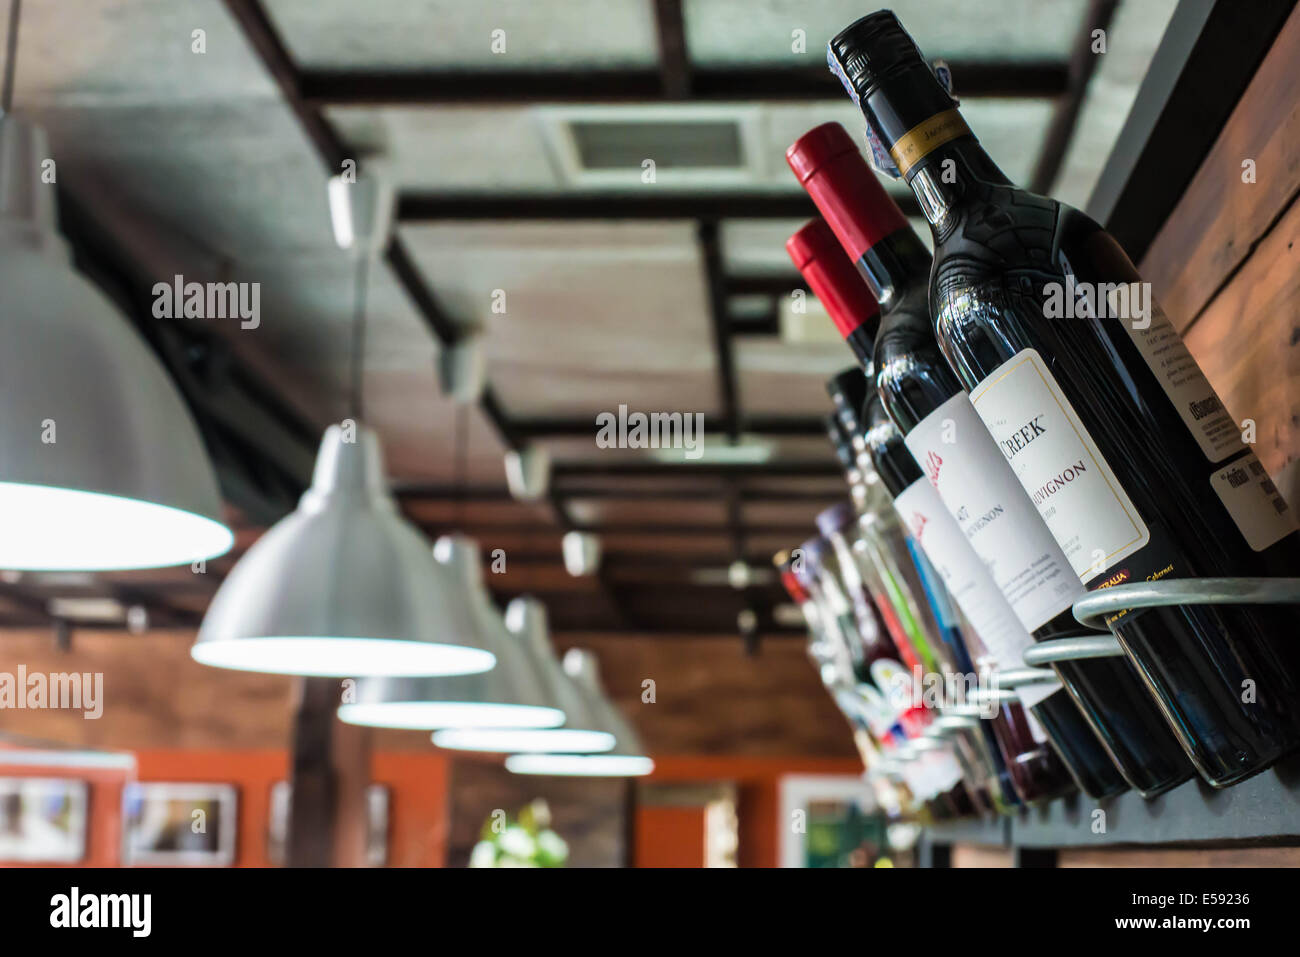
(665,296)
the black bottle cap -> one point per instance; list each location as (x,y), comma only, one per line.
(873,48)
(848,389)
(840,440)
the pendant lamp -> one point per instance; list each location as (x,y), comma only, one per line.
(101,464)
(627,759)
(343,586)
(582,731)
(514,694)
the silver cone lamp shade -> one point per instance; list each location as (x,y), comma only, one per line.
(514,694)
(343,586)
(582,731)
(627,759)
(101,464)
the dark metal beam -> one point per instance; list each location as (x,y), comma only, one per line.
(410,278)
(416,207)
(420,492)
(674,62)
(781,469)
(324,88)
(266,42)
(1083,62)
(779,285)
(711,256)
(553,428)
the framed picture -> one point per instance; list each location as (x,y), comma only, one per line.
(179,824)
(829,821)
(277,836)
(43,820)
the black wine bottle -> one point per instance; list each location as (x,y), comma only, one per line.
(940,548)
(1026,765)
(963,466)
(1105,418)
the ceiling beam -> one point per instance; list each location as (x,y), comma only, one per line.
(419,492)
(557,428)
(419,207)
(1040,79)
(674,61)
(270,49)
(1065,118)
(708,235)
(779,469)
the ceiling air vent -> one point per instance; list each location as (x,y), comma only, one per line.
(691,146)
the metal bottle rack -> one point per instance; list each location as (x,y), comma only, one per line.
(1264,808)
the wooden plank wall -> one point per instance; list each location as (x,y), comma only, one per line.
(1226,264)
(1226,268)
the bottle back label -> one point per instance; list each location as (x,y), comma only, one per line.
(968,581)
(1186,386)
(1253,501)
(1260,514)
(980,491)
(1058,465)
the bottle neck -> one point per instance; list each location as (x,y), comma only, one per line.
(893,266)
(947,176)
(928,139)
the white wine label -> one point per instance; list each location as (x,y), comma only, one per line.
(917,781)
(1253,501)
(979,490)
(895,683)
(1185,384)
(1058,465)
(969,583)
(941,769)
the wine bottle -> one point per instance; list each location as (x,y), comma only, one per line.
(867,549)
(938,536)
(1026,768)
(938,776)
(1021,559)
(1105,418)
(888,782)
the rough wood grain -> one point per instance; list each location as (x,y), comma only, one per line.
(1220,219)
(1248,343)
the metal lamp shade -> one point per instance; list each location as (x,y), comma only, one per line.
(582,731)
(101,465)
(514,694)
(628,759)
(343,585)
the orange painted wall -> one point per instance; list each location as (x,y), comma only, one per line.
(670,837)
(103,811)
(417,812)
(757,783)
(417,783)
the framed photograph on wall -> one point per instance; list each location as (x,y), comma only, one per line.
(829,820)
(377,799)
(179,824)
(43,820)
